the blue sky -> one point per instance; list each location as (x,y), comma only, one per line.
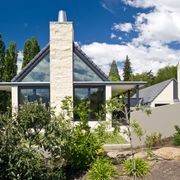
(20,19)
(145,30)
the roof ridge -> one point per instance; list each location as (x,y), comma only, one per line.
(33,61)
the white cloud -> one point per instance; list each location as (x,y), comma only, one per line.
(125,27)
(142,58)
(160,24)
(19,61)
(149,50)
(113,36)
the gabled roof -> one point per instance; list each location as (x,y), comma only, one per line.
(46,50)
(31,64)
(150,93)
(90,63)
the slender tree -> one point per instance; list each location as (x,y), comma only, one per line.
(2,56)
(10,62)
(127,70)
(31,49)
(114,73)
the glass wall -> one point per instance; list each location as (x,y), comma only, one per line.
(82,72)
(96,97)
(40,73)
(31,94)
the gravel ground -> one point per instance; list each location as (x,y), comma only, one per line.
(165,170)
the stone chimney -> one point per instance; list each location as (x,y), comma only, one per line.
(61,60)
(178,80)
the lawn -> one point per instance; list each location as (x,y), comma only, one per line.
(114,138)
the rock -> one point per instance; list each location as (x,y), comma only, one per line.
(168,153)
(141,154)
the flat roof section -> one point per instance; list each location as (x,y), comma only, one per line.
(121,85)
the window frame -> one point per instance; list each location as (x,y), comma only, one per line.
(89,93)
(32,87)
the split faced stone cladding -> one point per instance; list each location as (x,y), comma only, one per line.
(61,62)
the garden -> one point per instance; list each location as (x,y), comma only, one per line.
(36,143)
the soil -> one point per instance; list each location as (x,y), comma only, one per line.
(164,166)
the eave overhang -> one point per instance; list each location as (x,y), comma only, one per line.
(121,85)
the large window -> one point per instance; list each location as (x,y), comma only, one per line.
(82,72)
(31,94)
(96,97)
(40,73)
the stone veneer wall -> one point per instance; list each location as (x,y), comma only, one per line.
(61,62)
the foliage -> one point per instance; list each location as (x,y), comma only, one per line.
(114,138)
(83,145)
(2,56)
(10,63)
(153,140)
(31,49)
(165,73)
(176,136)
(144,76)
(31,143)
(141,167)
(137,129)
(114,73)
(127,70)
(102,169)
(17,161)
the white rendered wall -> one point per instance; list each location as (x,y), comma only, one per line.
(61,62)
(166,96)
(14,97)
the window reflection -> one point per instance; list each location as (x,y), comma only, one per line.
(40,73)
(96,97)
(31,94)
(82,72)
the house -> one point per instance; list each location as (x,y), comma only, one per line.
(62,69)
(164,93)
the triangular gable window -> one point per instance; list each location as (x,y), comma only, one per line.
(82,72)
(40,72)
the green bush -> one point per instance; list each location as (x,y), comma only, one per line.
(176,136)
(153,140)
(83,149)
(28,139)
(141,167)
(84,144)
(102,169)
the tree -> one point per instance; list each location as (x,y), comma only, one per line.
(114,73)
(165,73)
(2,55)
(10,63)
(144,76)
(127,70)
(31,49)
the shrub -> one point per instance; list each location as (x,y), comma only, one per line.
(84,145)
(176,136)
(102,169)
(141,167)
(23,139)
(83,149)
(153,140)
